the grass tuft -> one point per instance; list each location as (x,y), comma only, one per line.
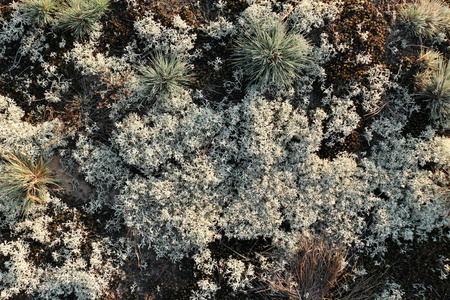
(426,18)
(166,74)
(24,180)
(434,88)
(80,16)
(313,272)
(429,59)
(39,11)
(271,56)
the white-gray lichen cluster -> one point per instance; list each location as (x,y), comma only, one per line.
(185,173)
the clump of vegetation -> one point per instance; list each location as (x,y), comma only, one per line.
(229,178)
(24,180)
(360,26)
(166,74)
(313,272)
(426,18)
(270,55)
(429,59)
(39,11)
(434,87)
(79,16)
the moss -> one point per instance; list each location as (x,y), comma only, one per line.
(177,289)
(118,26)
(165,11)
(342,68)
(244,250)
(65,110)
(417,123)
(234,8)
(418,263)
(162,279)
(209,81)
(224,248)
(40,253)
(351,144)
(194,12)
(9,88)
(9,84)
(3,260)
(5,9)
(414,263)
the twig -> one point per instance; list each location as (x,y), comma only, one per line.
(205,149)
(220,274)
(15,62)
(376,112)
(246,258)
(163,269)
(135,242)
(135,247)
(290,12)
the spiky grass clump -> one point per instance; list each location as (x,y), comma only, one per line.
(429,59)
(166,74)
(270,56)
(426,18)
(39,11)
(24,180)
(80,16)
(313,272)
(428,62)
(434,88)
